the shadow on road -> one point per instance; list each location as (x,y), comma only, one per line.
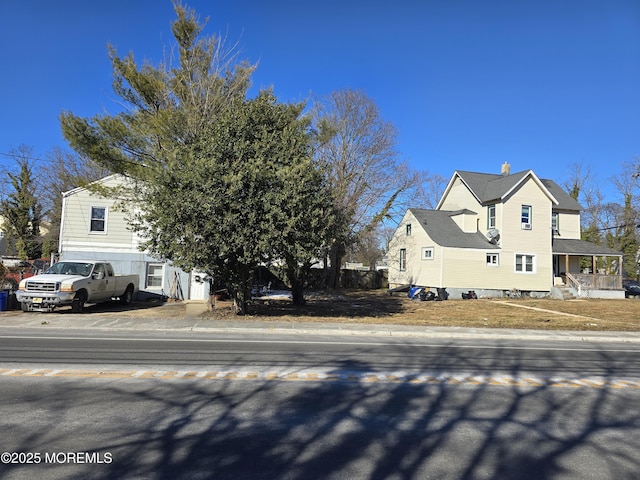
(227,429)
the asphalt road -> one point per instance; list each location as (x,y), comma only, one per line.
(323,353)
(160,405)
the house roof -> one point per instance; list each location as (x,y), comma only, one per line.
(487,187)
(565,201)
(445,232)
(568,246)
(113,178)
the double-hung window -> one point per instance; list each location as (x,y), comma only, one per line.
(98,220)
(491,217)
(526,217)
(555,223)
(154,275)
(403,259)
(525,263)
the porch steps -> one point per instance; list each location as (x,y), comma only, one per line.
(566,293)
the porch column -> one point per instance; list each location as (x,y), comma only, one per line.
(619,272)
(566,264)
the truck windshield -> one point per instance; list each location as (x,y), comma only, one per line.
(70,268)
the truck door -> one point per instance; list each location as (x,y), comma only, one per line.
(100,288)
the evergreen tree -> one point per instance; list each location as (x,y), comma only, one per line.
(244,193)
(22,214)
(627,241)
(165,106)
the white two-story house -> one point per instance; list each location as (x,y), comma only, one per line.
(500,233)
(93,227)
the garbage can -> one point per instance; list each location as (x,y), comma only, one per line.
(4,297)
(12,301)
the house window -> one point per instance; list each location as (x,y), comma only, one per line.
(408,229)
(526,217)
(555,223)
(525,263)
(154,275)
(98,219)
(493,259)
(427,253)
(491,217)
(403,259)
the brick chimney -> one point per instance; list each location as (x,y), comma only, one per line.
(506,169)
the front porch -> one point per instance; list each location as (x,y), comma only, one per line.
(587,269)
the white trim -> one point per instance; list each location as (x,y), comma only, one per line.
(162,275)
(425,250)
(450,185)
(106,217)
(100,181)
(537,182)
(491,264)
(534,263)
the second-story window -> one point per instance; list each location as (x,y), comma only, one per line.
(98,219)
(408,229)
(526,217)
(491,216)
(555,223)
(403,259)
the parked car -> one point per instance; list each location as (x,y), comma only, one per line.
(631,288)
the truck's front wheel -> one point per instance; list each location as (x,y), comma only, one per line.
(78,302)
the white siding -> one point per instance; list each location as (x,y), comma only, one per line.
(418,271)
(569,225)
(515,240)
(75,231)
(117,244)
(459,197)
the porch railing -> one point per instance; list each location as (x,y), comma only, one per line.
(594,281)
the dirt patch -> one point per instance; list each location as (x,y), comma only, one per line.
(378,307)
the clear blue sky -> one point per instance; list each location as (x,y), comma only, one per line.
(469,84)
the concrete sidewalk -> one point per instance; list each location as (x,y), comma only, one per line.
(190,316)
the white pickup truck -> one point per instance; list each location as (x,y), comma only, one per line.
(75,283)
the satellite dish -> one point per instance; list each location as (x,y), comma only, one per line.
(493,235)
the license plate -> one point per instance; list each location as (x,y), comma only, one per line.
(37,300)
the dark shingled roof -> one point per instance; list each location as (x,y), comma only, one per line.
(568,246)
(565,201)
(445,232)
(490,187)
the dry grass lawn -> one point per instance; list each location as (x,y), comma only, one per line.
(379,307)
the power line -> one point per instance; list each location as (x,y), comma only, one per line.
(20,156)
(616,227)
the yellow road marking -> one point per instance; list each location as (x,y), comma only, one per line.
(414,379)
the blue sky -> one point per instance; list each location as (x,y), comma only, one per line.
(469,84)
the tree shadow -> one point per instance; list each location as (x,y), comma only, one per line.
(349,305)
(435,426)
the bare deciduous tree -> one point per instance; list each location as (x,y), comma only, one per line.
(369,181)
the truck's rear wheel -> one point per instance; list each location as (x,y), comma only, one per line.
(127,297)
(78,302)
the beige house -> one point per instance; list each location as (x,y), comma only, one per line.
(94,227)
(499,235)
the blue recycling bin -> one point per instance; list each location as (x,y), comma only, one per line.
(413,291)
(4,297)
